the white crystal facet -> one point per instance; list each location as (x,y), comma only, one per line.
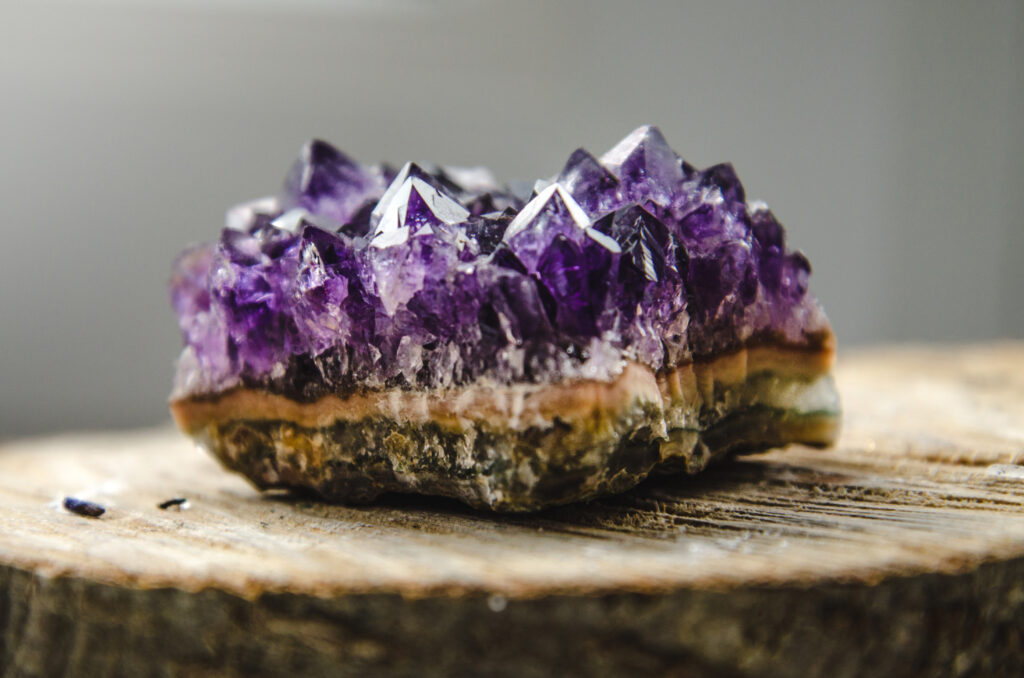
(392,228)
(533,209)
(291,220)
(473,179)
(242,217)
(621,151)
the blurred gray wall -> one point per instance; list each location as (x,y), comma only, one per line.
(888,138)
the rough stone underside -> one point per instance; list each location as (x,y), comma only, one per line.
(356,279)
(545,460)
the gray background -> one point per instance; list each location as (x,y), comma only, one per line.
(888,137)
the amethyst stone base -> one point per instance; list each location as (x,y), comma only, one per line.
(521,447)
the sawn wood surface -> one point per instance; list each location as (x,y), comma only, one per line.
(900,550)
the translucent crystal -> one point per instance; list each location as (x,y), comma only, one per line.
(590,183)
(327,182)
(645,165)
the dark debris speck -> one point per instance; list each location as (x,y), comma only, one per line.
(83,508)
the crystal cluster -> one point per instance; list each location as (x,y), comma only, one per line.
(430,277)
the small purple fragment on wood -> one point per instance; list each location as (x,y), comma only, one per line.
(83,508)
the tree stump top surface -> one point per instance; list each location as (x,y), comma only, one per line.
(928,477)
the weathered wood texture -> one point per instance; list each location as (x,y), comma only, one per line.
(899,552)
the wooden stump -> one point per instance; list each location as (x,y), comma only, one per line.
(899,552)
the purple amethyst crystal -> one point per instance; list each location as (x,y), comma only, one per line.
(432,277)
(327,182)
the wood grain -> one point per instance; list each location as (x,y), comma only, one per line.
(901,550)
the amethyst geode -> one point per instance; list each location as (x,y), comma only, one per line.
(338,302)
